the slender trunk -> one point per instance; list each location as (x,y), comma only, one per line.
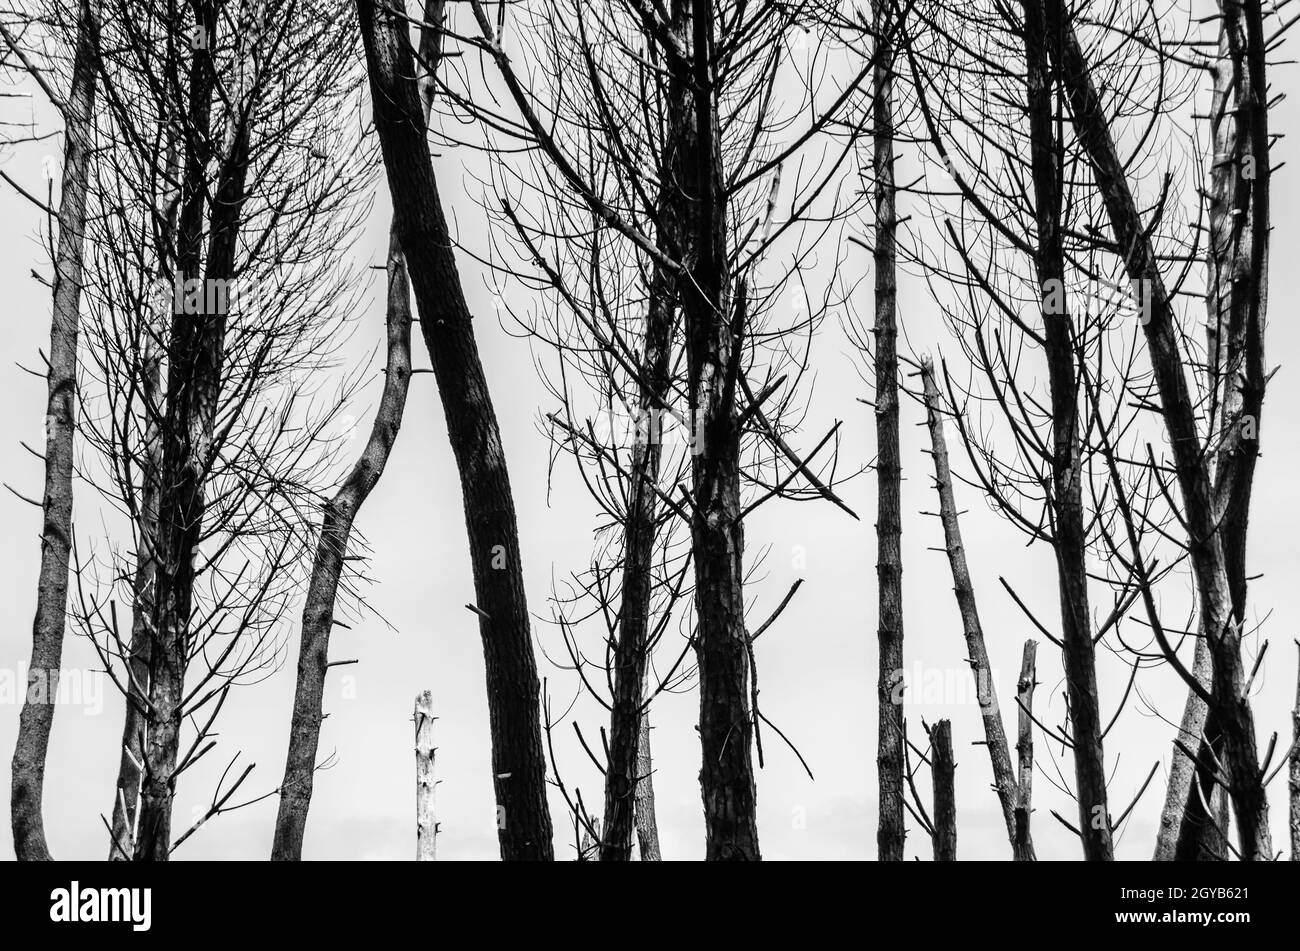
(135,721)
(1025,744)
(1069,536)
(327,569)
(627,713)
(37,716)
(195,363)
(943,771)
(714,320)
(1236,301)
(1231,705)
(995,737)
(647,828)
(518,762)
(340,514)
(889,528)
(426,818)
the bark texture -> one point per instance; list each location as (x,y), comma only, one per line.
(1069,536)
(889,529)
(1231,705)
(327,569)
(518,761)
(37,716)
(995,736)
(943,771)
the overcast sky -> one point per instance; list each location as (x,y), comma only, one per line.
(817,664)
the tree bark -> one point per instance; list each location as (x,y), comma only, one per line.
(1231,704)
(995,737)
(1025,743)
(195,363)
(624,802)
(37,716)
(889,530)
(135,720)
(1069,536)
(647,827)
(1236,304)
(327,569)
(943,774)
(426,817)
(518,762)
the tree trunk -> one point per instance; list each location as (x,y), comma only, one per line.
(37,716)
(943,774)
(995,737)
(1069,537)
(1025,743)
(426,817)
(135,719)
(327,569)
(889,529)
(647,828)
(1236,304)
(1231,704)
(627,714)
(518,762)
(195,364)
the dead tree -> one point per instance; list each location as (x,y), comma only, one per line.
(518,761)
(341,512)
(683,161)
(192,286)
(426,817)
(889,528)
(37,717)
(1005,783)
(1025,744)
(1227,699)
(943,774)
(1236,201)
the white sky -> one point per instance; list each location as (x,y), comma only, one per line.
(817,664)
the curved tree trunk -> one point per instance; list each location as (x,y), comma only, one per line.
(518,762)
(37,716)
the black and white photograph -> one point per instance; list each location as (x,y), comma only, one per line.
(834,432)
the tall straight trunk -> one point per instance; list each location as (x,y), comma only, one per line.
(1231,706)
(1069,537)
(889,527)
(1236,303)
(518,762)
(126,792)
(195,363)
(714,321)
(647,827)
(995,736)
(1025,742)
(327,569)
(37,716)
(341,511)
(943,770)
(134,721)
(426,819)
(627,713)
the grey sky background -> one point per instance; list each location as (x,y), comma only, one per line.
(817,665)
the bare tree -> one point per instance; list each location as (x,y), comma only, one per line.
(37,717)
(1005,783)
(518,763)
